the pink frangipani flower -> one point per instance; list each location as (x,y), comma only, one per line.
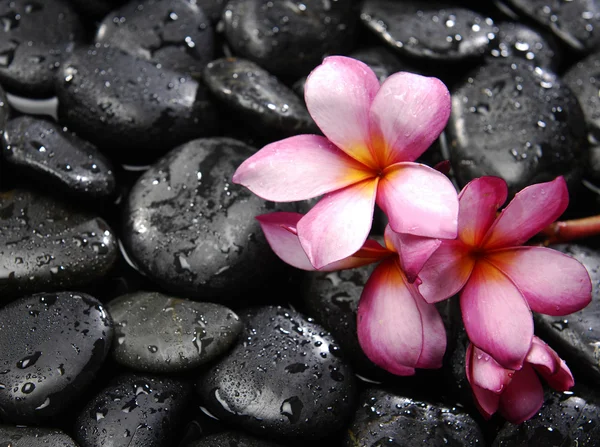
(516,395)
(397,329)
(501,280)
(372,134)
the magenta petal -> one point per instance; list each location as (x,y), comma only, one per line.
(550,366)
(552,282)
(523,397)
(419,200)
(390,323)
(298,168)
(486,373)
(531,210)
(408,113)
(496,316)
(434,333)
(479,201)
(487,401)
(413,251)
(339,224)
(338,95)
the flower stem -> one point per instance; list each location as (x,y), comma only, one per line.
(567,230)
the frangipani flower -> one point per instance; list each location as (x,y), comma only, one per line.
(372,135)
(516,395)
(397,329)
(501,280)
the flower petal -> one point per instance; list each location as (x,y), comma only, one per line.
(479,201)
(408,113)
(413,251)
(338,95)
(298,168)
(391,326)
(419,200)
(523,397)
(531,210)
(486,373)
(496,316)
(487,401)
(339,224)
(552,282)
(446,271)
(434,333)
(550,366)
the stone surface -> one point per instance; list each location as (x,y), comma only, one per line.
(34,437)
(52,345)
(134,411)
(583,78)
(173,33)
(284,381)
(96,9)
(55,158)
(192,231)
(232,439)
(46,245)
(164,334)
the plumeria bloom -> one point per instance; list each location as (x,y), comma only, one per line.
(397,329)
(501,280)
(372,136)
(516,395)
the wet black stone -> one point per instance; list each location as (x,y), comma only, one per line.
(383,418)
(583,78)
(193,231)
(134,411)
(53,157)
(213,9)
(160,333)
(576,337)
(382,61)
(96,8)
(46,245)
(232,438)
(4,110)
(34,437)
(566,419)
(129,107)
(516,40)
(173,33)
(52,346)
(33,38)
(576,23)
(284,381)
(289,38)
(518,122)
(260,102)
(438,31)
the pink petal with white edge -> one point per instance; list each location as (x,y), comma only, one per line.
(550,366)
(413,251)
(487,401)
(298,168)
(523,397)
(339,224)
(434,333)
(479,201)
(496,316)
(531,210)
(338,95)
(390,325)
(552,282)
(486,373)
(369,253)
(446,272)
(419,200)
(408,113)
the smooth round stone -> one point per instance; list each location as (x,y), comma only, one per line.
(284,381)
(515,40)
(4,109)
(134,411)
(213,9)
(382,61)
(33,38)
(583,78)
(518,122)
(173,33)
(159,333)
(566,419)
(232,438)
(96,8)
(46,245)
(439,32)
(193,231)
(129,107)
(258,99)
(54,157)
(34,437)
(576,337)
(289,38)
(384,418)
(52,345)
(576,23)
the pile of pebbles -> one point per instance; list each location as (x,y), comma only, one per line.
(140,304)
